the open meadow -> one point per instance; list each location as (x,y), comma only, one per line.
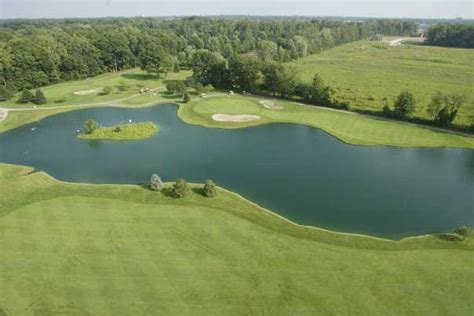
(369,74)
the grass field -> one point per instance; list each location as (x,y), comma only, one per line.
(364,73)
(348,127)
(132,131)
(79,249)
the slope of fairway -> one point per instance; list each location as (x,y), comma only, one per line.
(88,91)
(348,127)
(79,249)
(364,73)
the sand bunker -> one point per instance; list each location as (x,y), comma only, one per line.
(235,117)
(91,91)
(270,105)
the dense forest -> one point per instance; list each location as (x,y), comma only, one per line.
(34,53)
(451,35)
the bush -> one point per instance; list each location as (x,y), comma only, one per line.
(186,97)
(90,126)
(180,188)
(26,96)
(123,86)
(155,182)
(118,129)
(463,232)
(61,99)
(209,189)
(39,97)
(107,90)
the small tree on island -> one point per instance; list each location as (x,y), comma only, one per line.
(155,182)
(186,97)
(180,188)
(26,96)
(39,97)
(209,189)
(463,232)
(90,126)
(405,104)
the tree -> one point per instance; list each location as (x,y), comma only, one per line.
(404,104)
(209,189)
(177,87)
(6,93)
(180,188)
(155,182)
(244,71)
(280,79)
(151,56)
(39,97)
(186,97)
(26,96)
(123,86)
(317,92)
(444,108)
(90,126)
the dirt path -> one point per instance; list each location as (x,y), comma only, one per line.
(3,114)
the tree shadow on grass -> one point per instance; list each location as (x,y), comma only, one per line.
(142,77)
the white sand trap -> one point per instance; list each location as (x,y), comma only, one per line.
(270,105)
(235,117)
(91,91)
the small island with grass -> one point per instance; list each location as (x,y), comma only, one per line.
(131,131)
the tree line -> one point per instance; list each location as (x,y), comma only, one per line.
(451,35)
(35,53)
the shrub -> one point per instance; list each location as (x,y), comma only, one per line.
(90,126)
(155,182)
(106,90)
(26,96)
(209,189)
(39,97)
(463,232)
(117,129)
(61,99)
(186,97)
(123,86)
(180,188)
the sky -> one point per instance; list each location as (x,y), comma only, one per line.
(359,8)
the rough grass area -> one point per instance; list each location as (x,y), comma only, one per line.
(79,249)
(74,92)
(132,131)
(348,127)
(364,73)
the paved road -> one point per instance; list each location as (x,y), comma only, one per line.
(3,114)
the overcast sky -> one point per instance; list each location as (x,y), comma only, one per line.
(101,8)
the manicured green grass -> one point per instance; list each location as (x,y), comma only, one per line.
(80,249)
(348,127)
(133,131)
(364,73)
(135,79)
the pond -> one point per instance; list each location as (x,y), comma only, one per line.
(299,172)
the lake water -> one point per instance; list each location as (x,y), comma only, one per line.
(299,172)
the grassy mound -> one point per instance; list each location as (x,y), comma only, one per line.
(80,249)
(348,127)
(133,131)
(364,73)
